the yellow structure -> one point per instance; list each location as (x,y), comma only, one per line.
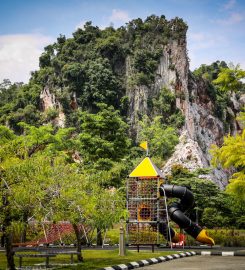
(204,238)
(144,145)
(146,169)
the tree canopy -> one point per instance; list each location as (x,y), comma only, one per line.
(230,79)
(213,207)
(39,179)
(231,155)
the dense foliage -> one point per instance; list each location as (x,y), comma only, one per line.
(92,63)
(91,66)
(232,155)
(223,82)
(40,176)
(213,207)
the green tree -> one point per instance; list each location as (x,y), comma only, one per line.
(104,143)
(164,104)
(146,62)
(210,72)
(8,92)
(212,218)
(206,193)
(162,139)
(230,79)
(101,85)
(73,76)
(87,35)
(18,103)
(103,135)
(28,169)
(40,178)
(232,155)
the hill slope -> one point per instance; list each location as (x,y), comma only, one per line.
(141,69)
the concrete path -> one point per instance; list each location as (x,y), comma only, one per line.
(201,263)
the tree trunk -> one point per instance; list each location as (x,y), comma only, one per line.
(2,241)
(79,240)
(25,221)
(7,233)
(9,251)
(99,237)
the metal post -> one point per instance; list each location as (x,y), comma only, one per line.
(183,239)
(158,212)
(47,261)
(169,232)
(197,214)
(127,204)
(121,242)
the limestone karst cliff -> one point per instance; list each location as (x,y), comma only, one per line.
(49,101)
(120,69)
(202,126)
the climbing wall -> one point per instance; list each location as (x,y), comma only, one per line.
(146,211)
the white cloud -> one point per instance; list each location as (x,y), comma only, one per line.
(201,40)
(19,55)
(234,18)
(198,37)
(119,16)
(230,4)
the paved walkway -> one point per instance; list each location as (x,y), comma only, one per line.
(201,263)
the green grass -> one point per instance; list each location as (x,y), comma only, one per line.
(93,259)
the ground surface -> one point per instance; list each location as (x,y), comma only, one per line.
(93,259)
(202,263)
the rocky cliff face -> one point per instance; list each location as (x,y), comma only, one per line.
(49,101)
(202,128)
(157,36)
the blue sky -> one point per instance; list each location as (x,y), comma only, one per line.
(216,27)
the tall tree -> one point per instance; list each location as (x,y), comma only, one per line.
(40,178)
(205,192)
(231,156)
(162,139)
(103,135)
(230,79)
(26,173)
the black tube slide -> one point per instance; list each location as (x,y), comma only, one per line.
(176,214)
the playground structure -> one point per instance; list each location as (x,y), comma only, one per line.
(55,232)
(149,214)
(59,233)
(146,208)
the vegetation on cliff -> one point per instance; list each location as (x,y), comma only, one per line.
(223,81)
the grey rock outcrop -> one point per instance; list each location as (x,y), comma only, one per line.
(202,127)
(49,101)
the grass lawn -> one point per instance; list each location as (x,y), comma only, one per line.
(93,259)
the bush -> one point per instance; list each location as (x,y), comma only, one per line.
(228,238)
